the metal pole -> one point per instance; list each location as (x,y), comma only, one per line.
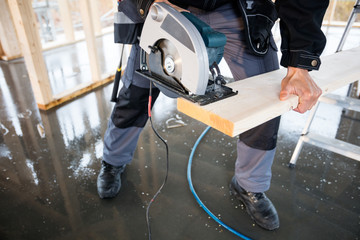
(305,131)
(349,25)
(346,33)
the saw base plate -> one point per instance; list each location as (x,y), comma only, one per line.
(212,94)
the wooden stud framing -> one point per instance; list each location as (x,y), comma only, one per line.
(75,92)
(90,39)
(66,20)
(8,37)
(26,28)
(258,97)
(97,79)
(95,16)
(1,50)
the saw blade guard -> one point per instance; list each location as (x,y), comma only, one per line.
(165,23)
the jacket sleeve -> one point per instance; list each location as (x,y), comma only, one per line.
(302,40)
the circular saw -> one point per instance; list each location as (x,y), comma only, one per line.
(179,53)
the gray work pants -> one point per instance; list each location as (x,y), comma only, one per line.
(255,148)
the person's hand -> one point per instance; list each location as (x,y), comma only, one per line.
(299,82)
(179,9)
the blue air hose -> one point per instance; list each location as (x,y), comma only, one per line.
(197,197)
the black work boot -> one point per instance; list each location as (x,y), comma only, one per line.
(109,181)
(258,206)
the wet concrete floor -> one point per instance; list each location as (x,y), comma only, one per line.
(49,161)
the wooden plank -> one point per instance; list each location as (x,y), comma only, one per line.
(66,20)
(258,97)
(90,39)
(27,31)
(8,37)
(75,92)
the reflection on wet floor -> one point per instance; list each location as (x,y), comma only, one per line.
(49,163)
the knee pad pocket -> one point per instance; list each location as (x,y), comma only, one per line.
(131,108)
(263,137)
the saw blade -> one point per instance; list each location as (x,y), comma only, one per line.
(167,64)
(171,59)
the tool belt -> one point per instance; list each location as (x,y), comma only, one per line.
(259,17)
(129,19)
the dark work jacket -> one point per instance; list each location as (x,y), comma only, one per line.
(300,26)
(301,35)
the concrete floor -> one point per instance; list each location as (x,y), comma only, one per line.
(49,163)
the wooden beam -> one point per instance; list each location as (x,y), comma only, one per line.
(27,31)
(66,20)
(95,17)
(258,97)
(8,37)
(1,51)
(75,92)
(90,39)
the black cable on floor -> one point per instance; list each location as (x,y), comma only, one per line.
(167,164)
